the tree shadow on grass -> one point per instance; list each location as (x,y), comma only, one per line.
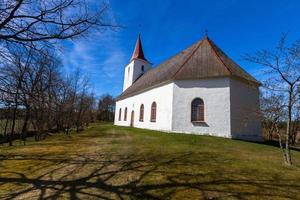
(138,176)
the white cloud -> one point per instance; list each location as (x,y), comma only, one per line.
(100,56)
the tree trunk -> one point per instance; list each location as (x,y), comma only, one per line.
(13,124)
(25,125)
(294,131)
(288,129)
(6,126)
(281,146)
(271,130)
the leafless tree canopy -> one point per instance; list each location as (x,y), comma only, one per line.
(38,20)
(106,108)
(35,95)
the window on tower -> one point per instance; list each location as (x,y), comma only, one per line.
(143,68)
(128,72)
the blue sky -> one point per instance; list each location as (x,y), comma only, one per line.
(169,26)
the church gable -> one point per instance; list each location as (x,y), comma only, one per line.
(234,68)
(203,63)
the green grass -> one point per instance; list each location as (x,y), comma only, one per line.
(109,162)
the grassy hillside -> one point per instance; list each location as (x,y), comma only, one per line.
(111,162)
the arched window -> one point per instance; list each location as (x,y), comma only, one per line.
(125,114)
(153,112)
(197,110)
(120,114)
(142,113)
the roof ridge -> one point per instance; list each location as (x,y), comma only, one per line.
(196,48)
(218,56)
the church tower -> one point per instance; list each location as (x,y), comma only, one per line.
(137,66)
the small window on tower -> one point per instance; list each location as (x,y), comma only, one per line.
(143,68)
(128,72)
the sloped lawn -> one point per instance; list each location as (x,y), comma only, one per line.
(108,162)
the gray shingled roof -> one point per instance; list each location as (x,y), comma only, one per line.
(201,60)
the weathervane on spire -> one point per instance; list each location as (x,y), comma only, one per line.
(206,33)
(140,29)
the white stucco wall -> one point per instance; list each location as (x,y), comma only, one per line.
(245,121)
(230,106)
(163,98)
(133,71)
(216,96)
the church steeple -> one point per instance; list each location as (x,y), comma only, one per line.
(137,66)
(138,52)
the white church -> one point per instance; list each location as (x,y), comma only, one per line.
(200,91)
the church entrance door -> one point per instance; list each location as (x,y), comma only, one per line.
(132,118)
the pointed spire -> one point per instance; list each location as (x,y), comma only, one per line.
(138,50)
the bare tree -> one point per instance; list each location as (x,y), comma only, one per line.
(34,92)
(106,108)
(283,67)
(11,78)
(38,20)
(296,124)
(84,114)
(273,112)
(84,101)
(41,77)
(32,89)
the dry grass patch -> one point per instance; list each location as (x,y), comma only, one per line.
(108,162)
